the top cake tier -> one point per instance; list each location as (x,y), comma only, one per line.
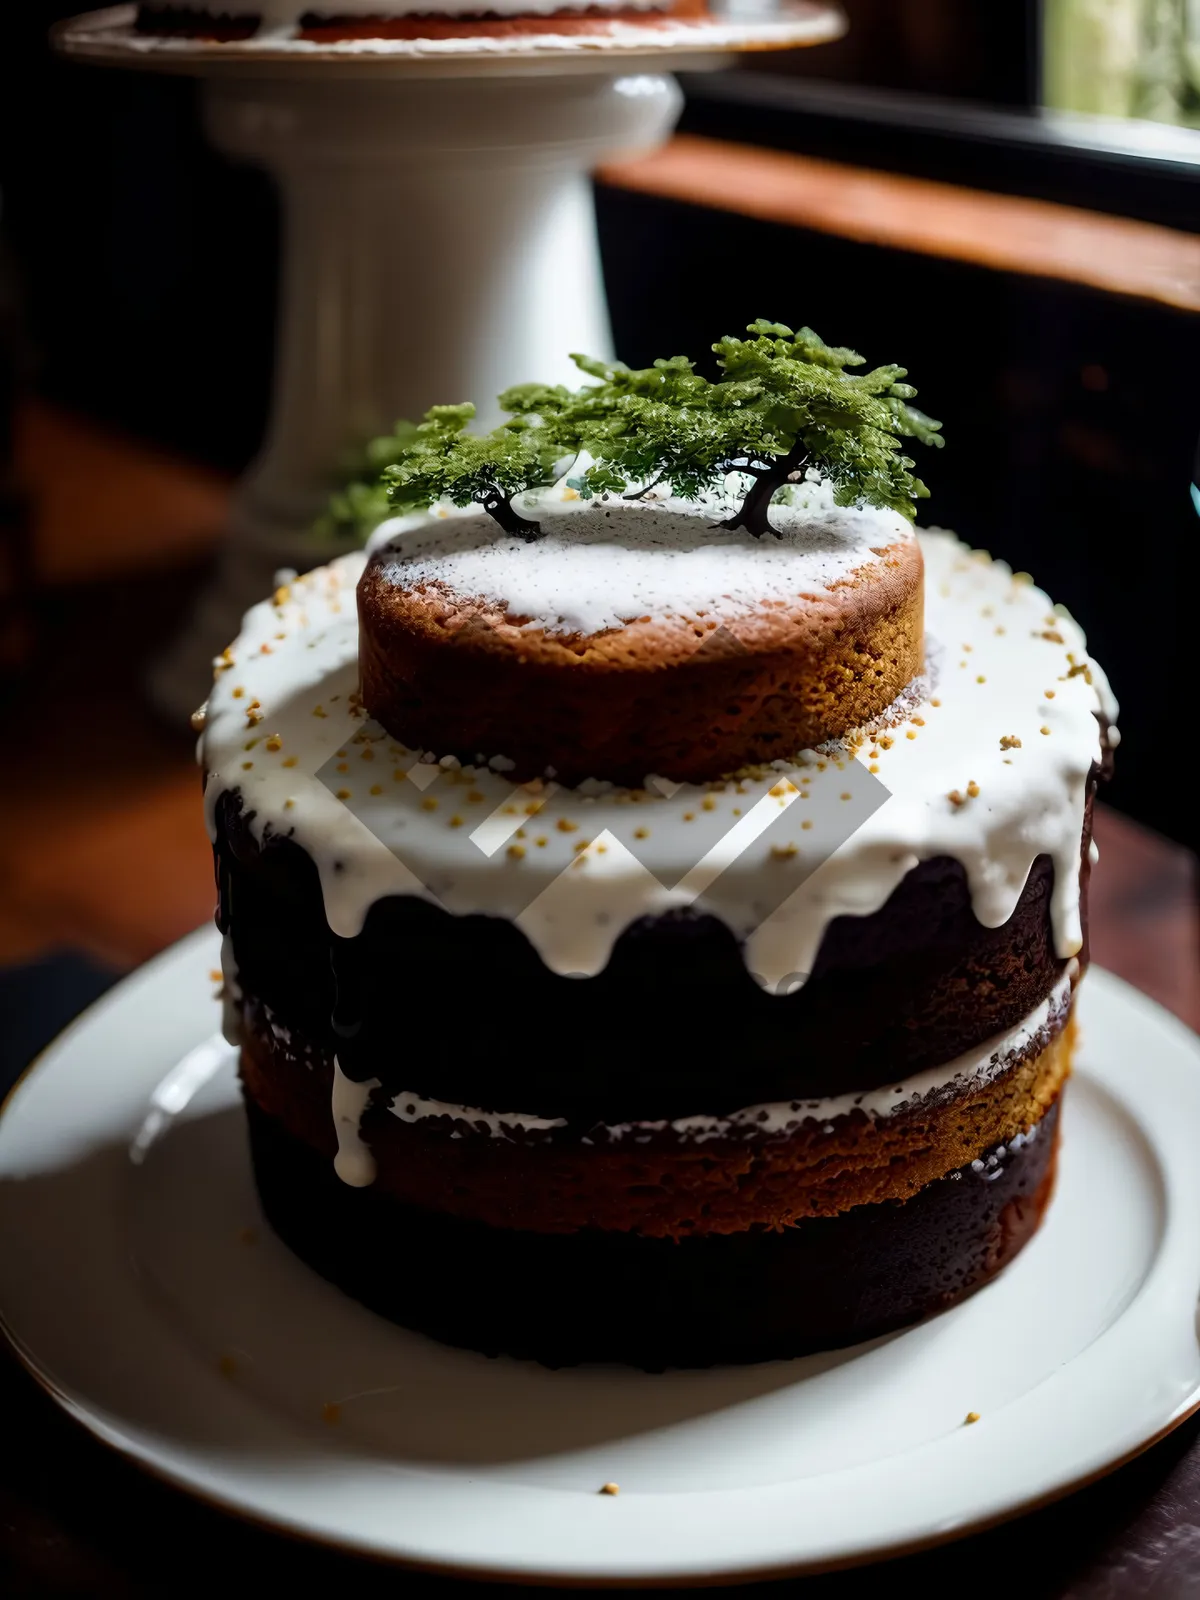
(639,637)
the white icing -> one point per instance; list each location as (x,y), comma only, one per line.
(598,565)
(354,1163)
(967,1073)
(1009,666)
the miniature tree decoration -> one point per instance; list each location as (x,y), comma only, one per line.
(784,405)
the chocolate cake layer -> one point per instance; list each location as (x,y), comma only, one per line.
(673,1026)
(656,1303)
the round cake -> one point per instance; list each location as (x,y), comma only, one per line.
(340,21)
(652,920)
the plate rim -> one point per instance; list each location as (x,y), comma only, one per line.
(92,1419)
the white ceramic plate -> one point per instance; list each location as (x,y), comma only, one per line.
(674,44)
(140,1286)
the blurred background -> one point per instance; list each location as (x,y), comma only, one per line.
(1004,197)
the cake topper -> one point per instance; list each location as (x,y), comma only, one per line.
(783,405)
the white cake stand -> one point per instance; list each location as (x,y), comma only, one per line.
(439,236)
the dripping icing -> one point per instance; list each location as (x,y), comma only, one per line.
(1028,795)
(354,1163)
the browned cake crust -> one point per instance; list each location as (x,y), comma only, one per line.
(663,1185)
(686,700)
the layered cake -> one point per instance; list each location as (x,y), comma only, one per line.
(653,876)
(340,21)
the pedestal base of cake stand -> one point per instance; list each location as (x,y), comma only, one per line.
(439,241)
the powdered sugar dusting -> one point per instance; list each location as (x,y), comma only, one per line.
(601,564)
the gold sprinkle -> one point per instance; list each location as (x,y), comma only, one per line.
(366,754)
(911,734)
(290,761)
(516,852)
(968,648)
(343,794)
(999,631)
(331,1413)
(1044,729)
(708,803)
(320,711)
(737,811)
(641,833)
(282,595)
(474,797)
(376,788)
(874,767)
(845,797)
(885,741)
(429,803)
(249,744)
(610,1488)
(1010,742)
(565,825)
(246,765)
(570,494)
(520,833)
(919,721)
(971,1416)
(973,789)
(274,742)
(288,804)
(1053,636)
(238,693)
(783,852)
(542,842)
(981,678)
(1049,693)
(456,822)
(689,816)
(935,702)
(580,846)
(216,975)
(956,797)
(343,766)
(807,823)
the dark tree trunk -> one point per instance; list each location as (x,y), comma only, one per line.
(752,514)
(499,507)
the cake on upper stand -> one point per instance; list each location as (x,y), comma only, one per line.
(585,1013)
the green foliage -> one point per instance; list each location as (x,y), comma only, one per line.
(785,403)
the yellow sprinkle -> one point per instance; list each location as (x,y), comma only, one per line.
(274,742)
(343,794)
(737,811)
(216,975)
(783,852)
(610,1488)
(343,766)
(807,823)
(911,734)
(376,788)
(708,803)
(971,1416)
(935,702)
(320,711)
(874,767)
(641,833)
(565,825)
(456,822)
(282,595)
(973,789)
(580,846)
(288,804)
(516,852)
(542,842)
(1049,693)
(429,803)
(290,761)
(246,765)
(1045,730)
(520,833)
(238,693)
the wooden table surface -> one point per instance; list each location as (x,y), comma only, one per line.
(102,849)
